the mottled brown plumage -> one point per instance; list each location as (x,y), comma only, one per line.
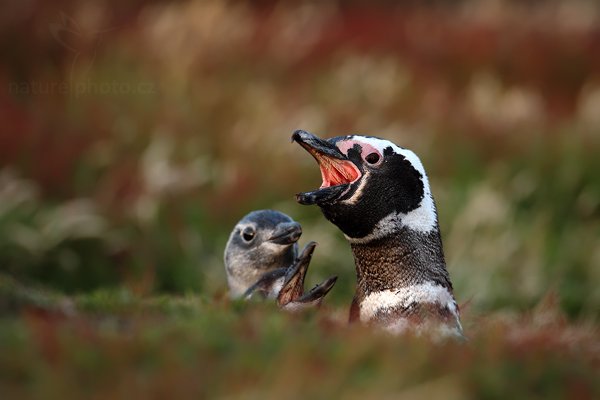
(402,260)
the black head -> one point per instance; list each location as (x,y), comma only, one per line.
(260,242)
(371,187)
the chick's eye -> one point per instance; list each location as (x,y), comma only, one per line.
(248,234)
(372,158)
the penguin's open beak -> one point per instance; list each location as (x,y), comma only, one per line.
(286,233)
(337,171)
(291,295)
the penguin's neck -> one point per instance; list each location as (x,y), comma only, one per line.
(403,259)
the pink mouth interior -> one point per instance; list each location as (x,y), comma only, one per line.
(336,172)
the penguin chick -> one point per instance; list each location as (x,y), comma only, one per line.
(378,195)
(262,242)
(260,257)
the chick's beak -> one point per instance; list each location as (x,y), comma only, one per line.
(286,233)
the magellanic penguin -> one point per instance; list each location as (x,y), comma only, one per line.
(378,195)
(261,256)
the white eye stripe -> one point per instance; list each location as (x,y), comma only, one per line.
(380,145)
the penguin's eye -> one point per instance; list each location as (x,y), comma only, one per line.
(248,234)
(372,158)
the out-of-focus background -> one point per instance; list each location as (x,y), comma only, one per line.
(135,134)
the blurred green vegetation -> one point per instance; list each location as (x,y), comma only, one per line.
(174,363)
(117,345)
(135,134)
